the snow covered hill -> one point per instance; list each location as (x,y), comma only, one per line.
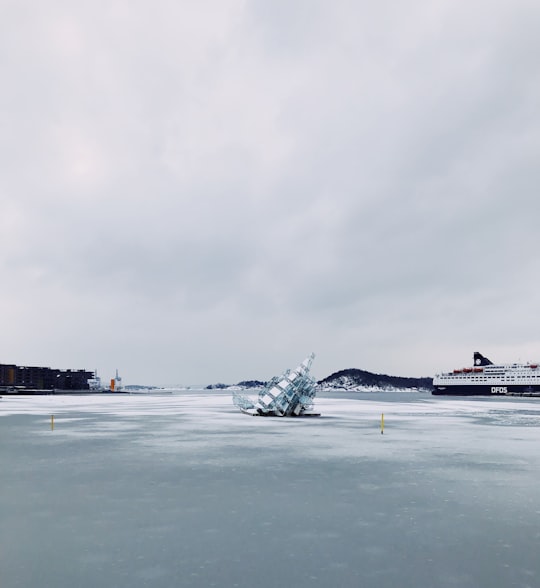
(355,379)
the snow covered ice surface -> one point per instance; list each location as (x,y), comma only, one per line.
(183,490)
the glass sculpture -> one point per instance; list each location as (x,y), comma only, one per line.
(289,395)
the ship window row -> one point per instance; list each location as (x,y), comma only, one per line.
(486,378)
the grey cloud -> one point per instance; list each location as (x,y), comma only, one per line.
(231,184)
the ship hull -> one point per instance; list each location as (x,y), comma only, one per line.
(486,390)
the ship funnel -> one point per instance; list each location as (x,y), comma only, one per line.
(479,359)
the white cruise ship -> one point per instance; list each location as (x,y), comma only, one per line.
(485,378)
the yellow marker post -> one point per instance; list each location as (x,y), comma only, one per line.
(382,424)
(52,422)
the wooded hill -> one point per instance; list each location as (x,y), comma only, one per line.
(355,378)
(351,379)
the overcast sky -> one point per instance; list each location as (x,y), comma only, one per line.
(207,191)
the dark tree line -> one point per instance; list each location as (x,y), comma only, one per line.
(362,378)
